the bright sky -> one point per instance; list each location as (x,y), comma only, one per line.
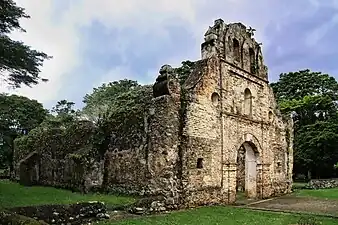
(104,40)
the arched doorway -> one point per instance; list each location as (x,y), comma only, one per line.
(246,174)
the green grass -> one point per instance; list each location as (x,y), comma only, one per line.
(13,195)
(218,216)
(320,193)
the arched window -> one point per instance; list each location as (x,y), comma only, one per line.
(236,50)
(252,60)
(247,102)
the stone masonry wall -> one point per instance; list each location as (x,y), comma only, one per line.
(202,164)
(152,169)
(230,103)
(125,172)
(70,173)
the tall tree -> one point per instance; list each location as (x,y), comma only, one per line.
(102,97)
(18,115)
(297,85)
(63,113)
(118,109)
(312,96)
(19,64)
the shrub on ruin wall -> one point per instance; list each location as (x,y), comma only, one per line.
(57,142)
(122,126)
(27,143)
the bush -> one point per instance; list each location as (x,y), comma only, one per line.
(57,142)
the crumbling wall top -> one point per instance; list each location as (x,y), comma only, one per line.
(235,44)
(166,83)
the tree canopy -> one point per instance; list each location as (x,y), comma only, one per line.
(18,115)
(99,101)
(312,96)
(19,63)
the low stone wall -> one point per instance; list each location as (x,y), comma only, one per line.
(68,173)
(322,183)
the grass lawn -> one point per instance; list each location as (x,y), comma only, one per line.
(13,194)
(220,215)
(320,193)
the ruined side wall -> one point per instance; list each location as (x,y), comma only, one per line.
(152,168)
(62,157)
(163,148)
(70,173)
(202,165)
(125,164)
(125,171)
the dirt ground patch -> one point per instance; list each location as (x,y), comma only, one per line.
(300,204)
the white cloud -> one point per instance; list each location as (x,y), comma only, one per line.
(60,41)
(61,38)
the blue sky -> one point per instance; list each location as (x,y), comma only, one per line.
(104,40)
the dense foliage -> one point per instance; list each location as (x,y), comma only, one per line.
(99,101)
(73,141)
(120,120)
(60,134)
(18,115)
(312,97)
(19,64)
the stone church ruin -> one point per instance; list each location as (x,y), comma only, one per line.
(218,134)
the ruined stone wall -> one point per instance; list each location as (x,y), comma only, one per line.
(62,158)
(202,150)
(229,102)
(70,173)
(125,172)
(322,183)
(152,168)
(188,150)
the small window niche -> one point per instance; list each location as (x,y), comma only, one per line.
(215,98)
(252,61)
(247,102)
(279,166)
(270,116)
(199,163)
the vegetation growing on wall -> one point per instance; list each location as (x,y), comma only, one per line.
(120,120)
(75,141)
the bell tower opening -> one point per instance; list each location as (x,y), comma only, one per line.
(236,50)
(252,61)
